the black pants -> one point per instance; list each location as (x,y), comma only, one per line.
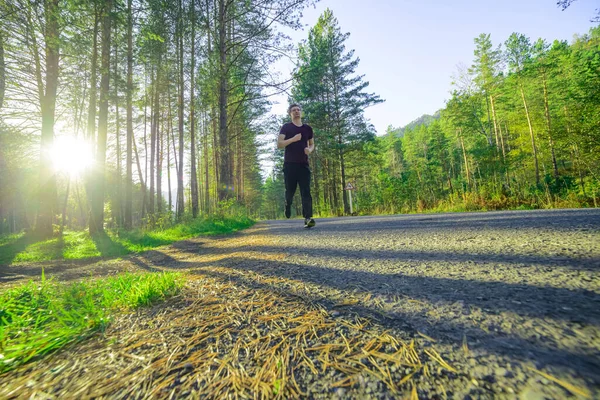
(298,174)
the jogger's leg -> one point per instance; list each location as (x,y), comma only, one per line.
(291,181)
(304,182)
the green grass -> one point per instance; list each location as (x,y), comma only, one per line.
(76,245)
(38,318)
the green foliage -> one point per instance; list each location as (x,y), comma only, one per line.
(479,155)
(334,99)
(273,197)
(39,318)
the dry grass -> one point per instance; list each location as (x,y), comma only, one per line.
(224,341)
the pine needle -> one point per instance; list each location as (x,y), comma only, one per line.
(573,389)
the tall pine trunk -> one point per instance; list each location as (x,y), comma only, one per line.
(2,69)
(118,195)
(91,123)
(153,128)
(464,151)
(169,168)
(533,146)
(97,214)
(141,178)
(159,159)
(180,198)
(193,172)
(206,168)
(549,127)
(225,173)
(128,169)
(47,197)
(499,141)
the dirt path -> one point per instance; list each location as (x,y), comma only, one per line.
(477,305)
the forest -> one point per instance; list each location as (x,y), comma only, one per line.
(141,114)
(521,130)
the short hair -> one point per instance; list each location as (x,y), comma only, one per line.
(292,106)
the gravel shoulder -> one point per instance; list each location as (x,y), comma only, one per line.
(472,305)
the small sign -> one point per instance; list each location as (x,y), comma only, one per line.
(349,186)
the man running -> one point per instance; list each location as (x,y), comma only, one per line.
(298,140)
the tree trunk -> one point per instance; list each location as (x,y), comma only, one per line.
(193,178)
(171,143)
(97,214)
(92,108)
(47,197)
(180,198)
(82,209)
(172,130)
(153,128)
(499,143)
(225,173)
(129,173)
(145,208)
(91,126)
(502,142)
(535,158)
(141,177)
(462,145)
(316,171)
(118,197)
(240,167)
(206,126)
(343,173)
(507,136)
(169,168)
(2,69)
(334,187)
(66,202)
(206,172)
(549,127)
(159,159)
(577,155)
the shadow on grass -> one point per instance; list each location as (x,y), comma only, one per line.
(145,240)
(10,249)
(36,248)
(107,246)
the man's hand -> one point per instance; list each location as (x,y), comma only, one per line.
(307,151)
(297,138)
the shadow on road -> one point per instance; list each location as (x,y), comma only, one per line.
(493,297)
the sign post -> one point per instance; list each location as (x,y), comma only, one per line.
(349,187)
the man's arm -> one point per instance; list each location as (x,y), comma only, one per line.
(281,142)
(310,148)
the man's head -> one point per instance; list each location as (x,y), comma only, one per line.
(295,111)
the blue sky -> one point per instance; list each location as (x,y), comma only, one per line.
(409,49)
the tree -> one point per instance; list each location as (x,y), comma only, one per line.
(129,157)
(193,177)
(545,66)
(2,67)
(486,68)
(518,54)
(335,98)
(564,4)
(47,95)
(97,198)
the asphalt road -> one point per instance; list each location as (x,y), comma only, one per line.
(520,288)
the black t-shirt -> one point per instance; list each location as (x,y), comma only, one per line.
(294,152)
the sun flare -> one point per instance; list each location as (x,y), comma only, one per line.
(71,155)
